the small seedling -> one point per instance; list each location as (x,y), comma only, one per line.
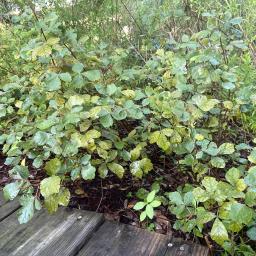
(147,206)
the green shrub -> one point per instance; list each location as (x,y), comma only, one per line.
(78,114)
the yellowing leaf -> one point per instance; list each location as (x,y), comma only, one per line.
(116,169)
(52,166)
(218,232)
(49,186)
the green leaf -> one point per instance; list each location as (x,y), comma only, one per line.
(21,171)
(119,113)
(92,134)
(41,138)
(93,75)
(233,175)
(75,100)
(226,149)
(139,205)
(143,216)
(155,203)
(26,212)
(200,195)
(175,198)
(241,213)
(103,171)
(88,172)
(51,203)
(49,186)
(53,166)
(75,174)
(250,178)
(151,196)
(252,156)
(218,162)
(77,67)
(64,197)
(203,216)
(146,165)
(85,159)
(218,232)
(150,211)
(46,124)
(203,103)
(11,190)
(251,233)
(210,184)
(111,89)
(66,77)
(106,121)
(53,83)
(116,169)
(136,169)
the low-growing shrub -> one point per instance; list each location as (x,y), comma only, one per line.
(76,115)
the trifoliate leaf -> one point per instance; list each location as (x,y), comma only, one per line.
(49,186)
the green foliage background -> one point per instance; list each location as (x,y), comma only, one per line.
(100,88)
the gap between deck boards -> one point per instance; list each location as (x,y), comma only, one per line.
(72,232)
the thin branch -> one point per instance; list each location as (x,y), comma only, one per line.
(42,31)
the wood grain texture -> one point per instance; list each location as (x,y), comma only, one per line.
(7,208)
(113,239)
(179,247)
(60,234)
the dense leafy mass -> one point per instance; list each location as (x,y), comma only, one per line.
(80,113)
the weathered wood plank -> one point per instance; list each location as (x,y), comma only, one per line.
(113,239)
(60,234)
(179,247)
(7,208)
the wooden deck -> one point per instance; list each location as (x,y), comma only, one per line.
(74,232)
